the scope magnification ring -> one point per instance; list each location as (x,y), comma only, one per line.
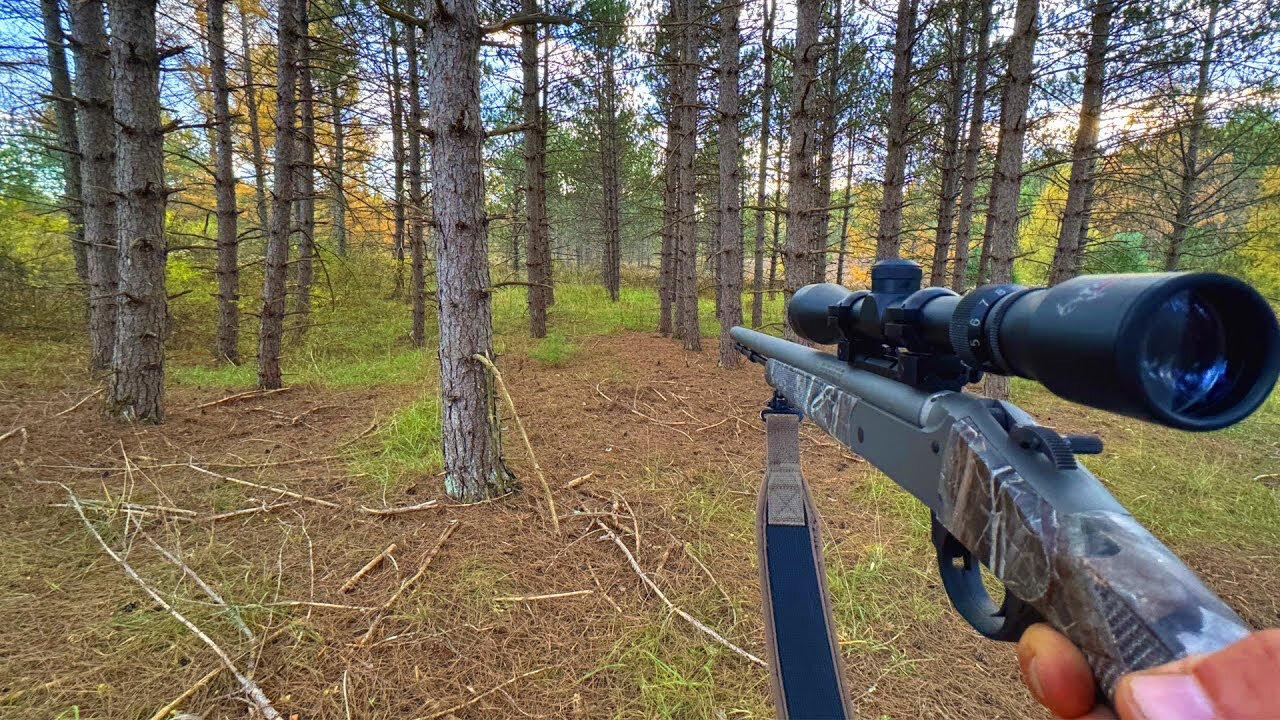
(968,322)
(992,328)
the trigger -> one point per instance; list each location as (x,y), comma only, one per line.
(962,578)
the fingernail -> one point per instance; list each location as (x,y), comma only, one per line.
(1033,680)
(1170,697)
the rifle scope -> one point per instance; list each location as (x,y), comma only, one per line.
(1196,351)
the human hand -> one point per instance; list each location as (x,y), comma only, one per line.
(1239,682)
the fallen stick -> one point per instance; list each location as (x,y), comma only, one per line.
(351,582)
(163,713)
(549,596)
(577,481)
(546,489)
(381,612)
(214,463)
(477,698)
(242,395)
(672,606)
(139,506)
(250,688)
(428,505)
(250,511)
(268,488)
(208,590)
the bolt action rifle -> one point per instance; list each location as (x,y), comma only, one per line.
(1194,351)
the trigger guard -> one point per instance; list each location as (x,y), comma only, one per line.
(969,596)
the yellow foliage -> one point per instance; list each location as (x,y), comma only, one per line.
(1038,233)
(1261,255)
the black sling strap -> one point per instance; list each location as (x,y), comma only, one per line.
(804,656)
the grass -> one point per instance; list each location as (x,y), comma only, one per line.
(554,350)
(406,446)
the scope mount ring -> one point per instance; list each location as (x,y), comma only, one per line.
(962,579)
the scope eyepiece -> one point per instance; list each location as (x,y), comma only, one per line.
(1196,351)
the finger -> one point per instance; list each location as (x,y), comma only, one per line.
(1236,682)
(1056,672)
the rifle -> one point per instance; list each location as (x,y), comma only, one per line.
(1195,351)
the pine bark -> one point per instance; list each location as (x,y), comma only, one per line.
(1002,211)
(397,158)
(224,187)
(949,177)
(469,428)
(841,261)
(255,129)
(686,239)
(275,274)
(64,113)
(730,203)
(889,230)
(1190,170)
(766,113)
(972,150)
(1001,238)
(304,175)
(803,234)
(538,248)
(670,177)
(339,211)
(136,391)
(1084,151)
(828,128)
(97,134)
(607,114)
(417,200)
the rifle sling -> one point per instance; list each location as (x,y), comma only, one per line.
(805,673)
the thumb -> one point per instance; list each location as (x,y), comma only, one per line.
(1236,683)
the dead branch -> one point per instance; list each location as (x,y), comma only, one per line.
(213,594)
(546,489)
(672,606)
(163,713)
(241,396)
(268,488)
(477,698)
(351,582)
(577,481)
(250,511)
(250,688)
(428,505)
(548,596)
(381,612)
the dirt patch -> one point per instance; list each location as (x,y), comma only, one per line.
(675,450)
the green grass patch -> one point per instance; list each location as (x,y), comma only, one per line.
(408,445)
(554,350)
(659,672)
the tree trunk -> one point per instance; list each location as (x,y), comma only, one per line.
(1190,169)
(306,179)
(1066,257)
(271,320)
(417,199)
(255,130)
(730,203)
(670,218)
(1002,211)
(64,111)
(137,366)
(889,231)
(224,186)
(607,113)
(686,245)
(766,112)
(844,213)
(538,249)
(972,150)
(397,157)
(949,179)
(776,245)
(828,128)
(339,169)
(97,131)
(469,423)
(803,235)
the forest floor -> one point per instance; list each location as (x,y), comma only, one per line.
(659,445)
